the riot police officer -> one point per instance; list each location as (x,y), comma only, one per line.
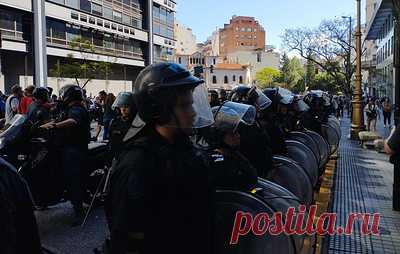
(120,126)
(19,233)
(159,188)
(39,110)
(74,127)
(232,170)
(256,143)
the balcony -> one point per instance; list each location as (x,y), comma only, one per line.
(368,64)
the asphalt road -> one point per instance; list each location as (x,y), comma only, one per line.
(58,235)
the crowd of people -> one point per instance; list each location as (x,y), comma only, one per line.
(173,144)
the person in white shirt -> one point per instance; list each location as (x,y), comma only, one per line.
(12,103)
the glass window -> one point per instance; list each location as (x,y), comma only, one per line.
(97,9)
(170,18)
(85,5)
(86,35)
(99,22)
(119,44)
(128,45)
(109,41)
(72,3)
(241,80)
(58,30)
(58,1)
(92,20)
(214,79)
(73,32)
(226,79)
(128,2)
(48,27)
(107,25)
(107,13)
(98,39)
(126,19)
(156,28)
(249,29)
(117,16)
(7,20)
(163,15)
(234,78)
(74,15)
(156,12)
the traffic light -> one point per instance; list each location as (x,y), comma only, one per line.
(212,69)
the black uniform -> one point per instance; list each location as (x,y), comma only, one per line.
(19,233)
(118,129)
(74,151)
(161,190)
(38,113)
(255,145)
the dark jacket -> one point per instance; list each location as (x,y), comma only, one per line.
(161,190)
(38,114)
(19,233)
(118,130)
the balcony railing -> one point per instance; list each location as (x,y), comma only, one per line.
(97,49)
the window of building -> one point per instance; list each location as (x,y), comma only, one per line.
(237,28)
(98,39)
(92,20)
(243,29)
(72,3)
(214,79)
(97,9)
(99,22)
(226,81)
(74,15)
(107,25)
(126,19)
(7,20)
(85,5)
(255,36)
(58,1)
(120,29)
(234,78)
(109,41)
(214,61)
(73,32)
(240,79)
(249,37)
(249,29)
(83,18)
(107,13)
(258,57)
(114,26)
(117,16)
(255,30)
(180,60)
(127,2)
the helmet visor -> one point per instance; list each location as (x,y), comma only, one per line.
(262,102)
(201,106)
(287,96)
(123,99)
(231,114)
(301,106)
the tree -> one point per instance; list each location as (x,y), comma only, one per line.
(267,77)
(81,67)
(327,46)
(292,73)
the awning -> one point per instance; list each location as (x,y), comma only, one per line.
(383,11)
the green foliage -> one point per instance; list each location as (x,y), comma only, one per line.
(81,68)
(292,74)
(325,81)
(267,77)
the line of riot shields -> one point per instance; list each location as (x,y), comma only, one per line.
(303,136)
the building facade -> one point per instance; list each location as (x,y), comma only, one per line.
(185,40)
(380,30)
(227,76)
(256,60)
(119,30)
(242,33)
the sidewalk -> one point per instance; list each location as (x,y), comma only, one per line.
(363,183)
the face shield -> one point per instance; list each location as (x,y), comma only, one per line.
(123,99)
(262,102)
(231,114)
(300,106)
(287,96)
(204,116)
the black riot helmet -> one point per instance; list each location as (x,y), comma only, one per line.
(41,93)
(70,93)
(156,91)
(250,96)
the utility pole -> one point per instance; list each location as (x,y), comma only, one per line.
(356,123)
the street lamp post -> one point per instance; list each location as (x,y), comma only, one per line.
(350,35)
(356,124)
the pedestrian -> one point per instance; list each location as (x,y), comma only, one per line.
(213,98)
(99,104)
(39,111)
(392,145)
(12,103)
(26,100)
(74,126)
(371,111)
(3,99)
(223,96)
(387,113)
(158,181)
(108,115)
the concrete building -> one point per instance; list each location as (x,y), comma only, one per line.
(242,33)
(36,36)
(185,40)
(256,60)
(380,29)
(227,76)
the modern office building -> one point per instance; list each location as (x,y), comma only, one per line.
(380,29)
(36,37)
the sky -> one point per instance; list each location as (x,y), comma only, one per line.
(204,16)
